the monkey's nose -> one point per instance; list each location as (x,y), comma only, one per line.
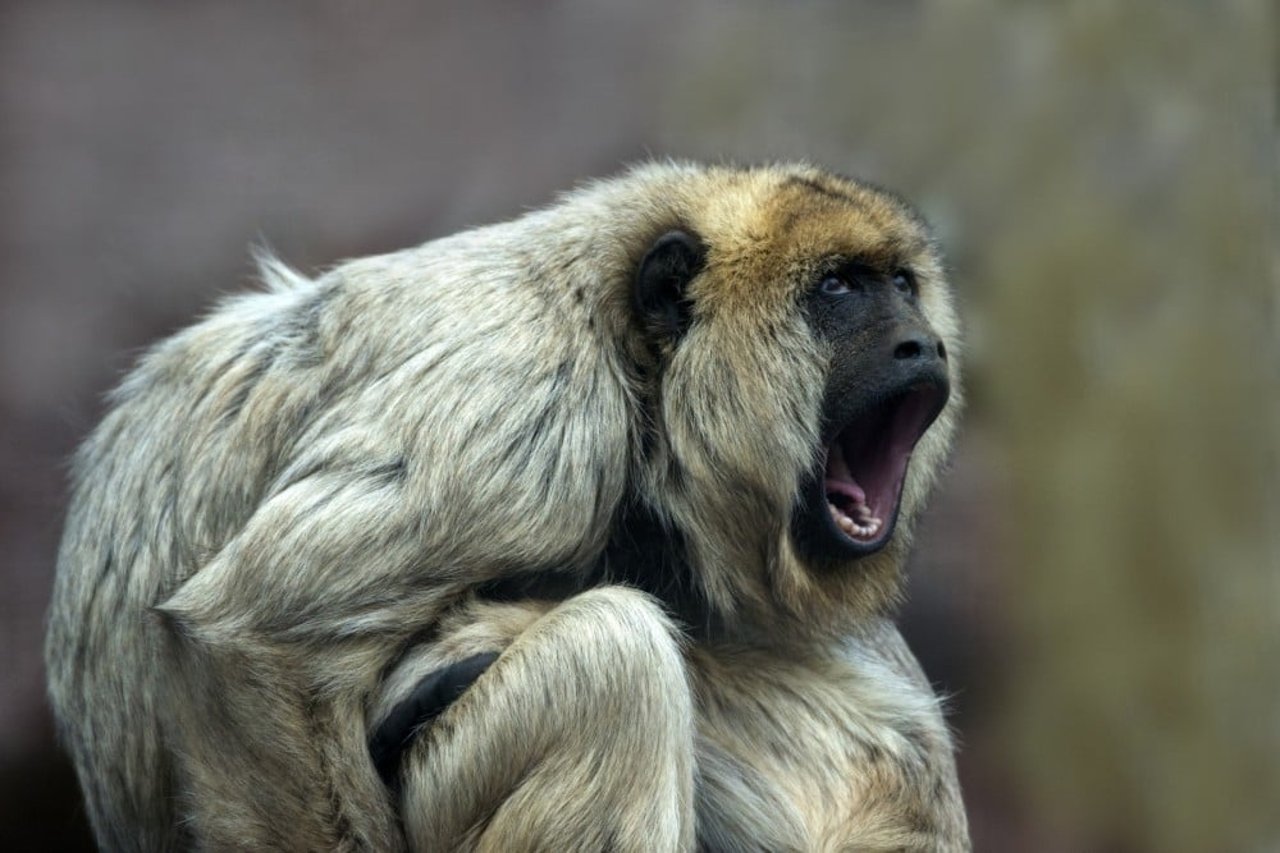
(919,346)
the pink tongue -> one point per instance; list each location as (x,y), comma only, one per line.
(841,480)
(848,488)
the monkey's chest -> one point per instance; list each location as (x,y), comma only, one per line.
(799,758)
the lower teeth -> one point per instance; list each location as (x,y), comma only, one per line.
(866,525)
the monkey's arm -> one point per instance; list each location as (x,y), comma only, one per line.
(578,737)
(277,643)
(332,554)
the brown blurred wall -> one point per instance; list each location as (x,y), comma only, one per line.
(1097,584)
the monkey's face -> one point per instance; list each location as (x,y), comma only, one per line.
(886,384)
(807,379)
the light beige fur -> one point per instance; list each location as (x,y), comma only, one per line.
(291,512)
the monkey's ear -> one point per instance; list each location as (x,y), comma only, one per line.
(664,275)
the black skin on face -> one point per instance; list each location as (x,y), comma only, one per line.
(880,340)
(881,346)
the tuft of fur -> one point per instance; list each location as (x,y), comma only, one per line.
(302,503)
(274,274)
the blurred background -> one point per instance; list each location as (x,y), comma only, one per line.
(1097,585)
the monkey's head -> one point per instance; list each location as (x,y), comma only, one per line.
(805,352)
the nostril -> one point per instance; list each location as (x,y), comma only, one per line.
(920,347)
(908,349)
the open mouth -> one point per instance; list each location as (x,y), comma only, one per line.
(867,464)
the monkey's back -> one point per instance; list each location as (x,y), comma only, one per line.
(438,387)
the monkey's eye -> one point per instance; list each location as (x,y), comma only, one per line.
(834,285)
(904,282)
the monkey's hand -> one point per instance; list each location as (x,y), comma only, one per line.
(578,736)
(433,694)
